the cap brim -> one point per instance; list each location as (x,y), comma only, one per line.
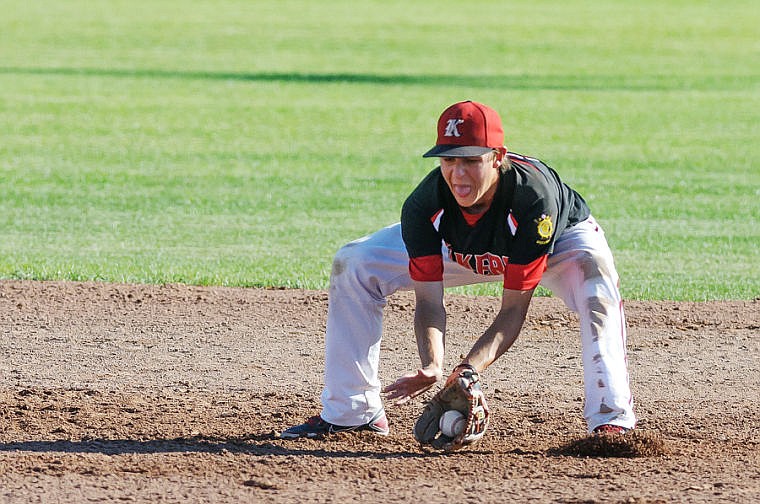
(456,151)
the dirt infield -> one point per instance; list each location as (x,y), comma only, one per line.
(176,394)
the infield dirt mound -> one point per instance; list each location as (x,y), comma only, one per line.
(175,393)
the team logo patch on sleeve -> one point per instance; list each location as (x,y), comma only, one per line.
(545,228)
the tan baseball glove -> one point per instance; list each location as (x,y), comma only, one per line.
(462,393)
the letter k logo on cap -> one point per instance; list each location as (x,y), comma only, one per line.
(451,128)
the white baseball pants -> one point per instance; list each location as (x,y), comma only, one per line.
(581,272)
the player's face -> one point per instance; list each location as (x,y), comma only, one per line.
(472,180)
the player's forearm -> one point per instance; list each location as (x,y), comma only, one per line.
(502,333)
(429,329)
(430,324)
(494,342)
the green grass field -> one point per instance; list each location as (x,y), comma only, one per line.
(241,143)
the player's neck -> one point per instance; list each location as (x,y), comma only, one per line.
(471,219)
(476,209)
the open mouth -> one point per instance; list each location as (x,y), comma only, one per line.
(462,190)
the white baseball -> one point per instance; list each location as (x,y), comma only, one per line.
(452,423)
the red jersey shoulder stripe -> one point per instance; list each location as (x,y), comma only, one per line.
(525,276)
(426,268)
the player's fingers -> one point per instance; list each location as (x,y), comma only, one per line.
(406,388)
(400,391)
(393,388)
(401,400)
(420,391)
(410,385)
(402,383)
(397,397)
(392,393)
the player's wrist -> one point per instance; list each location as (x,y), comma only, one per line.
(466,365)
(433,371)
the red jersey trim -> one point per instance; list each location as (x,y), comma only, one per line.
(522,160)
(436,219)
(472,219)
(426,268)
(525,276)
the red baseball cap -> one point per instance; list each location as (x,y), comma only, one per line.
(467,129)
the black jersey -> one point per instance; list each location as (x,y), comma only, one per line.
(531,208)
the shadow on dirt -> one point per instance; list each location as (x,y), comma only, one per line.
(269,445)
(264,446)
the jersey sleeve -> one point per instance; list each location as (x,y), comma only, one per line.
(420,221)
(534,241)
(525,276)
(426,268)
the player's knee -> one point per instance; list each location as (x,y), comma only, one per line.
(591,265)
(598,277)
(348,259)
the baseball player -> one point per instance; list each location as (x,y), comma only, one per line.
(485,214)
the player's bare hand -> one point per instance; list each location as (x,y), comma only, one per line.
(411,385)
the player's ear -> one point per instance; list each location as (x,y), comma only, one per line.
(500,153)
